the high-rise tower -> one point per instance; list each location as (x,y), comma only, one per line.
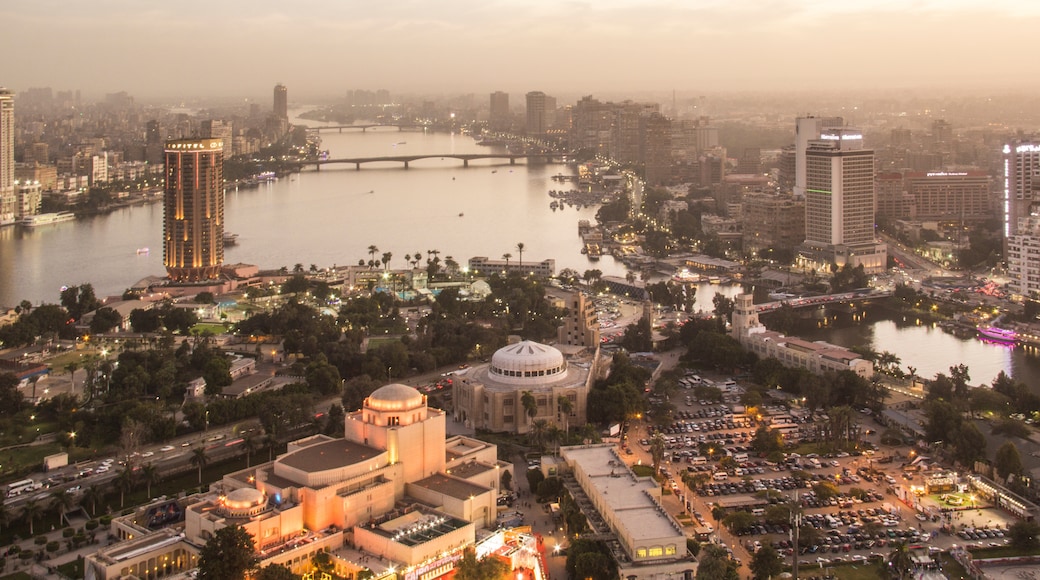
(7,195)
(537,114)
(807,129)
(839,202)
(499,119)
(193,209)
(1021,189)
(281,101)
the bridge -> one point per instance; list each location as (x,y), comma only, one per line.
(815,301)
(407,159)
(365,128)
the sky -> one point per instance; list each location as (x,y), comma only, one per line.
(241,48)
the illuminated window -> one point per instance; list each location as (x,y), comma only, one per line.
(669,550)
(656,551)
(641,552)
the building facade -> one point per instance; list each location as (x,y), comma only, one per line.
(484,266)
(839,203)
(281,101)
(1021,191)
(499,118)
(1023,258)
(538,113)
(772,221)
(7,193)
(193,209)
(492,396)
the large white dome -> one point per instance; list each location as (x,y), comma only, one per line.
(395,397)
(527,362)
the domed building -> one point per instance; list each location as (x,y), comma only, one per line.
(492,396)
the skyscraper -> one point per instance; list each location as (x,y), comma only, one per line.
(499,119)
(537,113)
(193,209)
(1021,183)
(281,101)
(839,203)
(807,129)
(7,195)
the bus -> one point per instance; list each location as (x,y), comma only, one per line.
(20,487)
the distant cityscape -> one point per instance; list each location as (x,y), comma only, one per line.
(499,418)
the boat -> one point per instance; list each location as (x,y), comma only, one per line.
(494,171)
(400,143)
(230,239)
(461,214)
(142,251)
(998,334)
(45,219)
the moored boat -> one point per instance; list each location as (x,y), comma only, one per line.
(45,219)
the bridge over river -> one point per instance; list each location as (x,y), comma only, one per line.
(365,128)
(408,159)
(822,300)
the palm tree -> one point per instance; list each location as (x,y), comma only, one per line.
(270,440)
(125,481)
(372,254)
(657,445)
(538,431)
(63,502)
(506,256)
(93,494)
(387,256)
(566,406)
(416,258)
(520,250)
(900,560)
(529,403)
(249,444)
(554,435)
(199,460)
(30,511)
(913,374)
(841,423)
(150,476)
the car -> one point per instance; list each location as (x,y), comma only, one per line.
(102,469)
(186,444)
(921,517)
(166,448)
(148,454)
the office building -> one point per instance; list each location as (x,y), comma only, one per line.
(839,204)
(7,194)
(500,118)
(193,209)
(655,152)
(1023,258)
(1021,191)
(281,101)
(772,221)
(223,130)
(807,129)
(539,110)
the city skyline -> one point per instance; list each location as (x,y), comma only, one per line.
(700,46)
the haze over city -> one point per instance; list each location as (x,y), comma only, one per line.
(152,50)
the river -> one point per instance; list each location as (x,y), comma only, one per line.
(325,218)
(927,347)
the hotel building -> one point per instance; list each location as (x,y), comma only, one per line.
(193,209)
(7,194)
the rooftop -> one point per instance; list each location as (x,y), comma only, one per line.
(451,486)
(329,455)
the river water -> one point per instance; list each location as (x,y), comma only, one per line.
(325,218)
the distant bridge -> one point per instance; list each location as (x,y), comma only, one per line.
(365,128)
(407,159)
(814,301)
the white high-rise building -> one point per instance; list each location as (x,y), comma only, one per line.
(7,194)
(807,129)
(839,203)
(1023,257)
(1021,192)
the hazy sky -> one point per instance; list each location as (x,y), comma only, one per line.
(186,48)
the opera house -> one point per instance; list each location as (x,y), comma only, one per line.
(393,497)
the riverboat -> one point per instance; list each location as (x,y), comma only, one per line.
(143,251)
(230,239)
(46,219)
(997,334)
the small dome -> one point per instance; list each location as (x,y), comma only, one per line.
(245,497)
(527,361)
(395,397)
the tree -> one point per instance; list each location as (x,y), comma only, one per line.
(229,555)
(276,572)
(1008,461)
(1024,535)
(520,250)
(657,446)
(125,481)
(63,502)
(150,476)
(530,404)
(900,560)
(93,494)
(506,256)
(487,568)
(30,511)
(199,460)
(506,480)
(767,440)
(539,429)
(566,406)
(372,255)
(715,564)
(766,563)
